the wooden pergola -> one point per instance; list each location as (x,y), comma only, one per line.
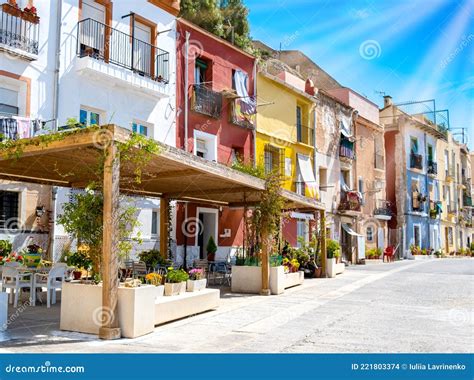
(72,161)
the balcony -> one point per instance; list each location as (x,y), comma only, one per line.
(416,161)
(383,210)
(435,209)
(379,161)
(346,149)
(206,101)
(449,173)
(19,32)
(107,51)
(466,200)
(350,202)
(243,114)
(432,167)
(304,134)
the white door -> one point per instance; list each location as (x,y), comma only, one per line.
(381,239)
(93,33)
(142,48)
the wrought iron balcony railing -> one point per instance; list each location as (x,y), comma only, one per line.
(304,134)
(350,201)
(18,30)
(416,161)
(206,101)
(110,45)
(432,167)
(383,208)
(346,148)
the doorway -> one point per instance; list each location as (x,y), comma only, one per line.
(209,226)
(142,48)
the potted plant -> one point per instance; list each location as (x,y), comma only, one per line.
(156,280)
(175,282)
(12,258)
(80,261)
(32,256)
(196,281)
(211,249)
(153,258)
(331,249)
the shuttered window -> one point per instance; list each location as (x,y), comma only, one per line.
(9,209)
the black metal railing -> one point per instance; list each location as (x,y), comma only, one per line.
(242,117)
(346,148)
(432,167)
(206,101)
(383,207)
(100,41)
(304,134)
(350,201)
(18,33)
(379,161)
(416,161)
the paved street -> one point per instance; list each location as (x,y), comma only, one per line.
(408,306)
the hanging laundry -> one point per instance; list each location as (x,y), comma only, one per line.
(248,105)
(8,128)
(24,127)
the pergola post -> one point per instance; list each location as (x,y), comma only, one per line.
(164,210)
(265,264)
(111,190)
(322,222)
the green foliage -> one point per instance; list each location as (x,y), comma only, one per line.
(332,246)
(373,253)
(211,245)
(153,258)
(6,247)
(247,168)
(176,275)
(226,18)
(80,260)
(276,260)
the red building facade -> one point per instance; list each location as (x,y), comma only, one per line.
(211,76)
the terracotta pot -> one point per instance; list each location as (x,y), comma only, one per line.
(211,257)
(318,272)
(77,275)
(11,10)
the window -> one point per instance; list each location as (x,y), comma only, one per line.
(89,117)
(140,128)
(369,232)
(323,178)
(200,71)
(361,188)
(430,153)
(205,145)
(201,150)
(414,145)
(9,209)
(237,154)
(155,220)
(8,101)
(416,236)
(299,123)
(273,159)
(302,231)
(450,236)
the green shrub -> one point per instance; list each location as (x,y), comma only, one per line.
(331,248)
(211,245)
(153,258)
(176,275)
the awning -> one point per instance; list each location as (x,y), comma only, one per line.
(306,172)
(301,215)
(349,230)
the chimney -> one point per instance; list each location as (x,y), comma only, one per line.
(387,101)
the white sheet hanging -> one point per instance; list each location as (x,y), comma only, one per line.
(306,171)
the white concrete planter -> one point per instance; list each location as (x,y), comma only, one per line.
(246,279)
(159,291)
(340,268)
(196,285)
(294,279)
(81,309)
(174,289)
(331,268)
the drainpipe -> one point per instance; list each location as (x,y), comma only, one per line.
(426,186)
(54,189)
(315,171)
(254,131)
(186,90)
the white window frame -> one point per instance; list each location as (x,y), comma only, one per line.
(20,87)
(305,234)
(371,228)
(90,110)
(148,126)
(417,225)
(211,144)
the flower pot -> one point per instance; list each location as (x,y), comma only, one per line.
(32,260)
(318,272)
(196,285)
(10,9)
(77,274)
(211,257)
(174,289)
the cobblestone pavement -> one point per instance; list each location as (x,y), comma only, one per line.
(407,306)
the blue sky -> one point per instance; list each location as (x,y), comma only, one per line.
(409,49)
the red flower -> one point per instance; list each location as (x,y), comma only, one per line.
(7,260)
(20,258)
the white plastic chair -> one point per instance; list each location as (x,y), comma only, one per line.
(14,280)
(51,281)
